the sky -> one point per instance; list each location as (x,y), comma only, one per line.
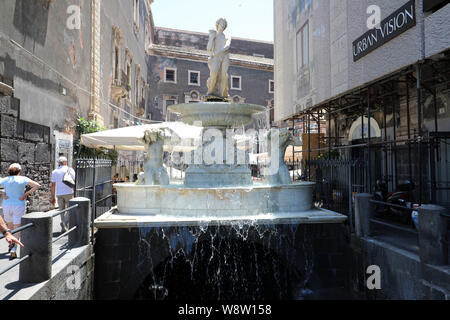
(251,19)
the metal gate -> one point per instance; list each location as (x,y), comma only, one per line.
(94,181)
(440,178)
(336,183)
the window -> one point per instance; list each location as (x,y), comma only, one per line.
(168,103)
(305,4)
(303,47)
(194,78)
(136,13)
(148,33)
(116,63)
(272,111)
(128,74)
(433,5)
(170,75)
(136,85)
(142,89)
(136,93)
(271,86)
(236,82)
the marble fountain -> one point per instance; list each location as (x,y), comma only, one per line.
(218,184)
(218,234)
(216,190)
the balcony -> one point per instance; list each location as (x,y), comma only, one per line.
(120,87)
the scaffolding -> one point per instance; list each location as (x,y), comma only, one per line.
(410,146)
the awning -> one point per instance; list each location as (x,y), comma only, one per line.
(128,138)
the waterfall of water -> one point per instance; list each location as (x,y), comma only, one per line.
(241,260)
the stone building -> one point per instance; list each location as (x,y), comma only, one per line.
(179,71)
(329,80)
(378,92)
(60,60)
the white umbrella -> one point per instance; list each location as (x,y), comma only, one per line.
(128,138)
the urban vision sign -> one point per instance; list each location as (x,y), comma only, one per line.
(391,27)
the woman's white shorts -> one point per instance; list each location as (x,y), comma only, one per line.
(13,213)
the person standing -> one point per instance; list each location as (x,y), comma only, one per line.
(63,192)
(14,200)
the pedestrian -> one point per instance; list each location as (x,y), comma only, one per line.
(63,192)
(14,200)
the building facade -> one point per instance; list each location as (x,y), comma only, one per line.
(179,71)
(62,60)
(370,98)
(336,76)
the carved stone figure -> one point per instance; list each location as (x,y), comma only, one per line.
(218,61)
(279,139)
(154,171)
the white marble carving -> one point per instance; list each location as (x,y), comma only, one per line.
(154,171)
(218,61)
(277,142)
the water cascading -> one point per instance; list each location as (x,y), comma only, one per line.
(242,260)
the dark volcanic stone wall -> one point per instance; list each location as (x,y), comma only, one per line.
(29,145)
(224,262)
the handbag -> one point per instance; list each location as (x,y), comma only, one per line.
(68,180)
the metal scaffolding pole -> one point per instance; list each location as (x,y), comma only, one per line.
(409,133)
(309,146)
(419,127)
(368,144)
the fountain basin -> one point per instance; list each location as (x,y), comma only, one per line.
(181,201)
(217,114)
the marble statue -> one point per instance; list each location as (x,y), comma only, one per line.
(154,171)
(218,61)
(285,138)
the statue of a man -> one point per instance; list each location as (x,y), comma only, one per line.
(218,61)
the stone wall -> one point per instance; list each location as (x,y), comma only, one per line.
(246,261)
(49,63)
(26,143)
(403,277)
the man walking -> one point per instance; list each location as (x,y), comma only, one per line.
(63,192)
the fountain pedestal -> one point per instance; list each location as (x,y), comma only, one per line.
(217,175)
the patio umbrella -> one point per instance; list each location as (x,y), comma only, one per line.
(128,138)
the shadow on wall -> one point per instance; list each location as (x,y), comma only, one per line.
(31,19)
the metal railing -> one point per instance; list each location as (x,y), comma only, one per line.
(34,241)
(58,213)
(430,238)
(94,181)
(15,263)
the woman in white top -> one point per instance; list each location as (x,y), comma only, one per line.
(14,199)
